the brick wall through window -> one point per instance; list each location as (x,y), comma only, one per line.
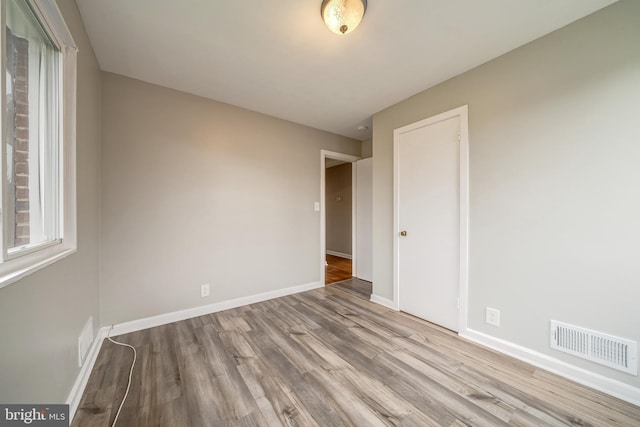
(18,139)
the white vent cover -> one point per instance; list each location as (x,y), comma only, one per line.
(614,352)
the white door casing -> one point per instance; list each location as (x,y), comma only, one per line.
(430,205)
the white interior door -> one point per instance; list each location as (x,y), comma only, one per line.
(427,184)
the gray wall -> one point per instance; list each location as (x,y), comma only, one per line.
(42,315)
(367,148)
(195,191)
(338,208)
(554,182)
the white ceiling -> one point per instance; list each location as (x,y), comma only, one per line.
(278,58)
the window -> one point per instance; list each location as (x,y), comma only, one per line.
(38,138)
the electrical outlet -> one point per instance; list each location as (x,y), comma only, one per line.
(204,290)
(492,316)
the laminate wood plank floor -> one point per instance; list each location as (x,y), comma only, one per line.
(356,287)
(328,357)
(337,269)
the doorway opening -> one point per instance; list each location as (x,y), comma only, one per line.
(337,216)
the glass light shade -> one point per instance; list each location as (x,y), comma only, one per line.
(343,16)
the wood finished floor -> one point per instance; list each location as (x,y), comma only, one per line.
(330,358)
(338,269)
(356,287)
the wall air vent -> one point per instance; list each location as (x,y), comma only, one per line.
(614,352)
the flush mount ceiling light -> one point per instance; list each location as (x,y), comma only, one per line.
(343,16)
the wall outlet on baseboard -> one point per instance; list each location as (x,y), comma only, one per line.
(492,316)
(85,340)
(204,290)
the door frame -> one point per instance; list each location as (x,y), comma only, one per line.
(324,155)
(463,167)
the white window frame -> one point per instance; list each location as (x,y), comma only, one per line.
(15,267)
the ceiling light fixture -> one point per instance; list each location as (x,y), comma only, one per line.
(343,16)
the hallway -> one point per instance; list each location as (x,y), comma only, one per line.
(337,269)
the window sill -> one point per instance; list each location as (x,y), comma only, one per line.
(16,269)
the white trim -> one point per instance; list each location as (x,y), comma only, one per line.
(31,264)
(75,395)
(50,17)
(339,254)
(324,154)
(176,316)
(464,218)
(462,113)
(582,376)
(354,219)
(386,302)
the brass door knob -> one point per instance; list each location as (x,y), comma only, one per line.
(403,233)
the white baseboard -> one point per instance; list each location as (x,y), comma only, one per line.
(339,254)
(176,316)
(73,400)
(582,376)
(383,301)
